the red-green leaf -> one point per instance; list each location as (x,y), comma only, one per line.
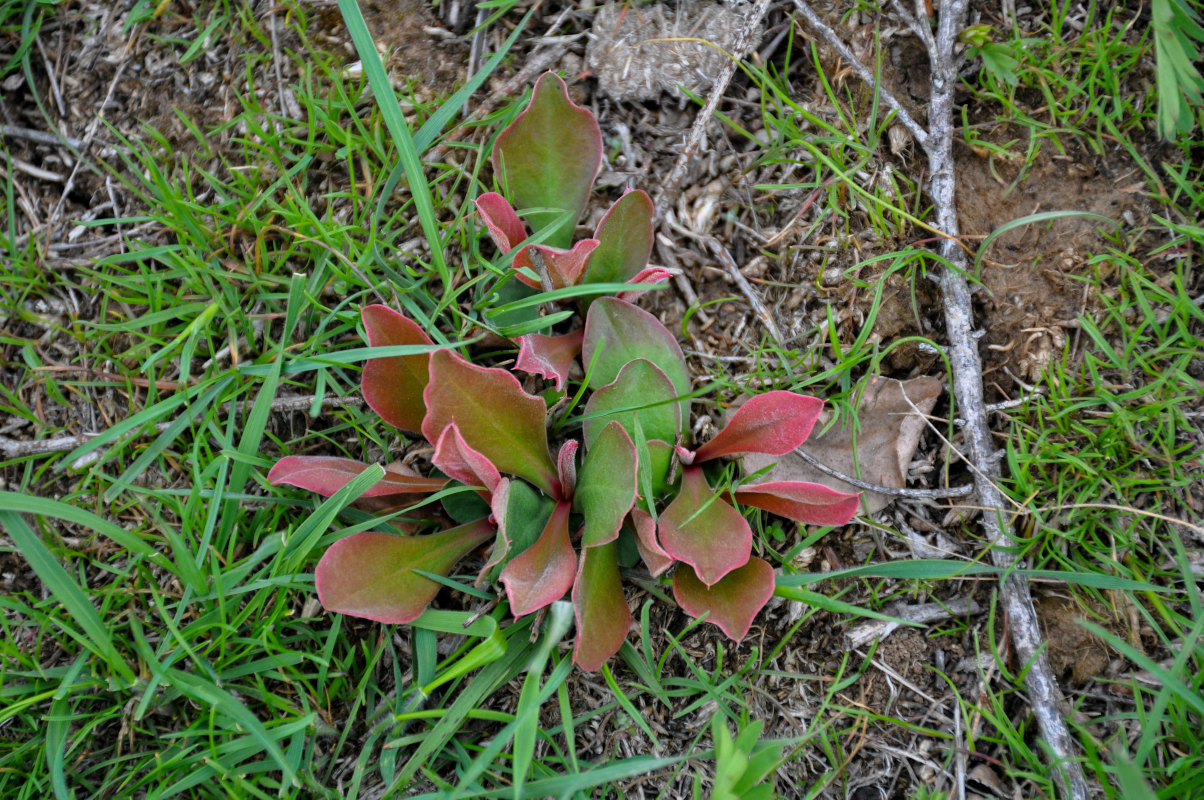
(774,423)
(549,356)
(624,240)
(548,157)
(606,491)
(455,458)
(802,502)
(371,574)
(702,530)
(327,474)
(620,333)
(603,618)
(655,558)
(564,267)
(545,570)
(393,386)
(640,388)
(643,281)
(495,416)
(566,467)
(520,514)
(505,228)
(733,602)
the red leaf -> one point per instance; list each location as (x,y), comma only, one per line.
(733,602)
(703,530)
(393,386)
(549,356)
(495,416)
(655,558)
(548,157)
(644,281)
(607,489)
(455,458)
(505,228)
(327,474)
(544,571)
(371,574)
(600,607)
(564,267)
(802,502)
(773,423)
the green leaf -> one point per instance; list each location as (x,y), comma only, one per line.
(641,388)
(548,157)
(600,607)
(606,487)
(372,575)
(66,591)
(619,333)
(395,121)
(522,514)
(733,602)
(624,240)
(494,415)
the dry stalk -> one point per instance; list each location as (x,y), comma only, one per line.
(1044,695)
(18,448)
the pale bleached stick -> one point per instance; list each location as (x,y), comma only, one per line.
(925,613)
(1044,695)
(18,448)
(846,55)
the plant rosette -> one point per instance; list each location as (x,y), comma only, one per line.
(620,490)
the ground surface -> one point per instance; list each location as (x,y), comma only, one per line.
(227,145)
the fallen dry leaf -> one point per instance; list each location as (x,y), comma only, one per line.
(889,434)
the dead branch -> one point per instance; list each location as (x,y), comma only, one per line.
(926,613)
(915,494)
(753,296)
(17,448)
(1045,697)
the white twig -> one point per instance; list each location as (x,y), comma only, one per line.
(17,448)
(926,613)
(915,494)
(750,293)
(1044,696)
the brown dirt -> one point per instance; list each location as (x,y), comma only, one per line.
(1036,279)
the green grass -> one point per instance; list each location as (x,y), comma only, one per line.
(161,635)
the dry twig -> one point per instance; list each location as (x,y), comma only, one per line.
(926,613)
(1045,697)
(17,448)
